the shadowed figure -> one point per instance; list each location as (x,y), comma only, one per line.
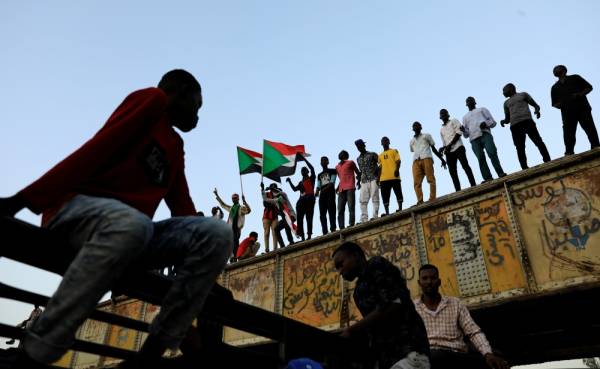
(569,94)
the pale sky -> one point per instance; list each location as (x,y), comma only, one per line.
(316,73)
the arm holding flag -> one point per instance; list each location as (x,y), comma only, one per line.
(246,208)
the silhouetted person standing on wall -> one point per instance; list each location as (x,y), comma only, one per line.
(369,180)
(237,216)
(516,111)
(326,193)
(421,145)
(477,125)
(346,169)
(454,148)
(569,95)
(389,175)
(306,203)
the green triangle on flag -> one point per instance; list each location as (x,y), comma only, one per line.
(249,161)
(272,158)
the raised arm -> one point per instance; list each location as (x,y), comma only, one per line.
(220,201)
(295,188)
(246,208)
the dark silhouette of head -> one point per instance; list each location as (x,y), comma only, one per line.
(509,90)
(235,198)
(274,189)
(385,142)
(200,213)
(559,71)
(429,280)
(444,115)
(361,146)
(343,155)
(471,103)
(417,128)
(324,162)
(254,235)
(304,171)
(348,259)
(214,210)
(184,98)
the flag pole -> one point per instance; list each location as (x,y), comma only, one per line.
(241,185)
(262,167)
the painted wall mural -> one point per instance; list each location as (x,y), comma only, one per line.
(562,219)
(312,289)
(254,286)
(475,249)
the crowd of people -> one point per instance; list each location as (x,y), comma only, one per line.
(372,173)
(101,199)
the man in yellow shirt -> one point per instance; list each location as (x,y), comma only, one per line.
(389,178)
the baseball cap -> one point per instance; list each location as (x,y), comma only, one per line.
(359,142)
(303,363)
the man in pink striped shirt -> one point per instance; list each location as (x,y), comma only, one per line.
(448,321)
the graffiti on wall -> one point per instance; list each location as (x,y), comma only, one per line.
(475,249)
(561,216)
(311,288)
(256,287)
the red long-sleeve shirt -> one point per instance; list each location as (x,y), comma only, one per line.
(136,157)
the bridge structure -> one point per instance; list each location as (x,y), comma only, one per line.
(523,252)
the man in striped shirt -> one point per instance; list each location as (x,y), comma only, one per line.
(448,321)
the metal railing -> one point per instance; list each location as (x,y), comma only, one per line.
(40,248)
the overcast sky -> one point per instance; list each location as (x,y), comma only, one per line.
(318,73)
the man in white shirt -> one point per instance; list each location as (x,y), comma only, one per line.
(454,148)
(421,145)
(477,124)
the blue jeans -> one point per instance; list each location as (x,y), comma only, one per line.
(486,141)
(113,238)
(346,197)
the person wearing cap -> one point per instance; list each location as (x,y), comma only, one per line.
(237,216)
(369,180)
(389,174)
(270,215)
(283,208)
(421,145)
(454,148)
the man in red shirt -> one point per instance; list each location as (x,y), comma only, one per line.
(248,247)
(346,169)
(101,200)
